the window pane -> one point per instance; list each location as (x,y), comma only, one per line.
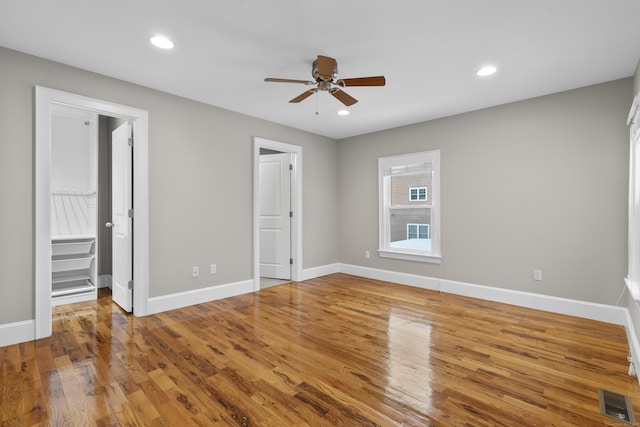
(412,231)
(404,236)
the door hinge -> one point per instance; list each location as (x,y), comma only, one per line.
(130,213)
(130,284)
(130,142)
(290,214)
(290,167)
(291,261)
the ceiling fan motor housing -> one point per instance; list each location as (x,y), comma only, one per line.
(318,78)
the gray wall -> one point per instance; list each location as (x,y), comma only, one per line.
(200,183)
(537,184)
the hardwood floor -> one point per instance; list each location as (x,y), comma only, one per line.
(333,351)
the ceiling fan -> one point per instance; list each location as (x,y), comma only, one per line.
(324,71)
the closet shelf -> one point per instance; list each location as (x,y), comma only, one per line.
(72,247)
(56,238)
(70,262)
(73,288)
(65,192)
(66,277)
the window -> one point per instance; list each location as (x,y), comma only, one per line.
(633,278)
(417,231)
(417,193)
(410,227)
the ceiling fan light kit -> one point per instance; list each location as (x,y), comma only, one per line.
(324,71)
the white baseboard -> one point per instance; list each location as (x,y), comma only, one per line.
(17,332)
(414,280)
(588,310)
(104,281)
(324,270)
(198,296)
(13,333)
(634,344)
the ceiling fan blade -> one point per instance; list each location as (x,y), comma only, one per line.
(326,67)
(343,97)
(304,95)
(362,81)
(272,79)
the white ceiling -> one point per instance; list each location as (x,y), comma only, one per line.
(429,51)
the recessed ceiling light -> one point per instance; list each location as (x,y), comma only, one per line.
(343,112)
(162,42)
(486,71)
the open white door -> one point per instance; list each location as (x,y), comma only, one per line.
(275,219)
(121,219)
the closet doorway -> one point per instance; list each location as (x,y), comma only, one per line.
(71,233)
(277,213)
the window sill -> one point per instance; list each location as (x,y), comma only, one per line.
(634,289)
(410,256)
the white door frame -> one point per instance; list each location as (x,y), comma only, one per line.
(296,206)
(45,98)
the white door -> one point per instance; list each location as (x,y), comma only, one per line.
(275,220)
(121,221)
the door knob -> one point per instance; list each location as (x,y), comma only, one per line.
(109,224)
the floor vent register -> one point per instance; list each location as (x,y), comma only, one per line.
(616,406)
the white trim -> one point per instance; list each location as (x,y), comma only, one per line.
(600,312)
(409,256)
(415,280)
(13,333)
(105,281)
(198,296)
(634,107)
(633,264)
(296,205)
(323,270)
(17,332)
(73,298)
(634,344)
(45,99)
(570,307)
(587,310)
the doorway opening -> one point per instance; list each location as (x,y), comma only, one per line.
(277,213)
(48,102)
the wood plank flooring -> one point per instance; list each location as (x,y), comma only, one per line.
(333,351)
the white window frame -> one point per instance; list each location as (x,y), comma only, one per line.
(418,199)
(633,276)
(411,163)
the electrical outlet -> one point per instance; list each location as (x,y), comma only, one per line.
(213,269)
(195,271)
(367,254)
(537,275)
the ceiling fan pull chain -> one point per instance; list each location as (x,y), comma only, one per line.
(317,104)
